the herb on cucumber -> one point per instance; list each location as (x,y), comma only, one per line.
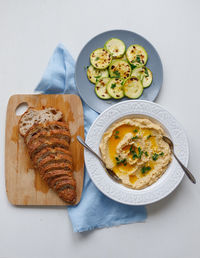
(146,72)
(133,66)
(113,85)
(117,74)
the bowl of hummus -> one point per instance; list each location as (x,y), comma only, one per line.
(134,149)
(129,138)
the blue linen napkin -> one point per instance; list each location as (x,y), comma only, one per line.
(95,210)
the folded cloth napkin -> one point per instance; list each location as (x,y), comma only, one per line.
(95,210)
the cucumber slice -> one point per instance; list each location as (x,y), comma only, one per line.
(136,55)
(120,69)
(100,58)
(94,74)
(144,74)
(138,72)
(147,79)
(116,47)
(115,88)
(101,90)
(133,88)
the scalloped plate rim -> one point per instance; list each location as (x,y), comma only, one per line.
(156,197)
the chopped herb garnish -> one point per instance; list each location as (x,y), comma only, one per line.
(133,66)
(138,59)
(132,151)
(116,134)
(145,169)
(155,156)
(131,148)
(117,158)
(140,152)
(161,154)
(149,136)
(146,154)
(123,161)
(117,74)
(97,58)
(135,131)
(97,77)
(113,85)
(134,137)
(146,72)
(134,155)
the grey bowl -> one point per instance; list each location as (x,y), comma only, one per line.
(86,88)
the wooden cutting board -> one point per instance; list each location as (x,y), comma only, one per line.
(24,185)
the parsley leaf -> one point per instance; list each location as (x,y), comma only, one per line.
(161,154)
(97,58)
(149,136)
(145,169)
(134,155)
(133,66)
(113,85)
(140,152)
(135,131)
(138,59)
(146,154)
(116,134)
(155,156)
(146,72)
(134,137)
(117,74)
(123,161)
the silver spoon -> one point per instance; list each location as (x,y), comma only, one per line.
(109,171)
(187,172)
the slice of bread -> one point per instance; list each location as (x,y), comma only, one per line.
(33,116)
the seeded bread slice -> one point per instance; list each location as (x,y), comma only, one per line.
(42,143)
(33,116)
(45,127)
(48,151)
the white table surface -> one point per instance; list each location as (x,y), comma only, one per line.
(29,32)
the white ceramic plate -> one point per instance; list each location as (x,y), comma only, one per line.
(168,181)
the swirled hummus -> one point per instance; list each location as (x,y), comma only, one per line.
(135,151)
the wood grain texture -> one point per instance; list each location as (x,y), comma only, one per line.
(24,185)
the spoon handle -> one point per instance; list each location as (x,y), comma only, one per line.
(187,172)
(88,147)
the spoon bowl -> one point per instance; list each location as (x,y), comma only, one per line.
(108,171)
(187,172)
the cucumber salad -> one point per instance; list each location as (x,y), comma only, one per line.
(118,72)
